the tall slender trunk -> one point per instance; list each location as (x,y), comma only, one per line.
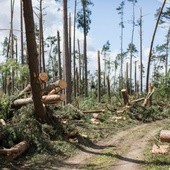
(135,77)
(74,55)
(67,64)
(33,61)
(40,35)
(70,45)
(167,50)
(131,49)
(59,55)
(22,37)
(141,65)
(85,54)
(80,65)
(151,46)
(127,76)
(99,78)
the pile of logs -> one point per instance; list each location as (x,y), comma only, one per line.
(50,94)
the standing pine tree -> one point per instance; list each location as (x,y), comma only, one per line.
(83,19)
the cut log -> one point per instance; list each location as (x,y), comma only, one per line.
(60,83)
(47,99)
(93,111)
(22,102)
(125,97)
(161,149)
(43,77)
(55,91)
(165,136)
(15,151)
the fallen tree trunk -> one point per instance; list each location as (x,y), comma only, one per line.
(15,151)
(59,83)
(49,99)
(93,111)
(165,136)
(46,99)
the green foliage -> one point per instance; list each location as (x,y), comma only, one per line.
(4,106)
(163,88)
(80,16)
(148,113)
(22,71)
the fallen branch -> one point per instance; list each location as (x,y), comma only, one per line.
(15,151)
(93,111)
(75,109)
(138,100)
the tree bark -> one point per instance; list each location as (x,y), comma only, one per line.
(67,64)
(59,55)
(33,61)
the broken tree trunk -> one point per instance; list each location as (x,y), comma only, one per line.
(165,136)
(125,97)
(148,97)
(59,83)
(15,151)
(47,99)
(27,89)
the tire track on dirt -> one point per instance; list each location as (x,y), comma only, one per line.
(135,139)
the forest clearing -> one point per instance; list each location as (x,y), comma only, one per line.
(58,112)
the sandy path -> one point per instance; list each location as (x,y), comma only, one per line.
(135,139)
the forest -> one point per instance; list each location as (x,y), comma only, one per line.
(53,103)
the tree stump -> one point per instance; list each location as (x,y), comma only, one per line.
(125,97)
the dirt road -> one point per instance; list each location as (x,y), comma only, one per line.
(122,151)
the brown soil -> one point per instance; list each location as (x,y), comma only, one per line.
(128,146)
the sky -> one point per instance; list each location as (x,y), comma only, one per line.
(104,25)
